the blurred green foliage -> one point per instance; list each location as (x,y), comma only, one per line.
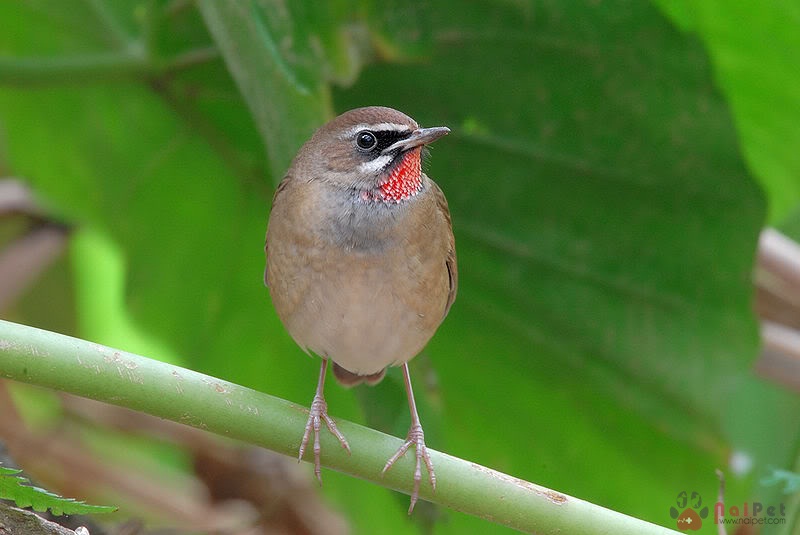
(605,219)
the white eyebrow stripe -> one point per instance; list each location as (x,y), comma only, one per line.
(377,127)
(375,165)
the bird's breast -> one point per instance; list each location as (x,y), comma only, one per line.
(367,298)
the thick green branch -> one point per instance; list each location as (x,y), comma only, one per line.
(102,373)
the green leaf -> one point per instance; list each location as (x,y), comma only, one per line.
(754,65)
(18,489)
(605,225)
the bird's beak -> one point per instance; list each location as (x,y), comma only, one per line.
(420,136)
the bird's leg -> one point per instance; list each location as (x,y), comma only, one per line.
(316,414)
(414,438)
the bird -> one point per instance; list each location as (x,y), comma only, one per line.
(361,260)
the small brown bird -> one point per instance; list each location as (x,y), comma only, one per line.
(361,260)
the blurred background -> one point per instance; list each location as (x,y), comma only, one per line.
(625,325)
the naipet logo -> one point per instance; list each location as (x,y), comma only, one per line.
(690,512)
(753,513)
(689,515)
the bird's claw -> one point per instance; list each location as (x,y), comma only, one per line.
(415,437)
(316,415)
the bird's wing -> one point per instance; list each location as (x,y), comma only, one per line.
(278,191)
(450,261)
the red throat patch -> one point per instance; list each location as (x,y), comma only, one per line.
(405,180)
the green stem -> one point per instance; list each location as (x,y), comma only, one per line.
(267,83)
(100,67)
(87,369)
(78,69)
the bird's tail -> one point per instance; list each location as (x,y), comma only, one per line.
(348,378)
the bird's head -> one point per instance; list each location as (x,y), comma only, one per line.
(373,152)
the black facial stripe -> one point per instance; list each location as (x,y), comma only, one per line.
(387,137)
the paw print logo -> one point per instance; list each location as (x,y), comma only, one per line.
(692,516)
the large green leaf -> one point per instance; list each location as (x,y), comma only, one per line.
(754,51)
(605,224)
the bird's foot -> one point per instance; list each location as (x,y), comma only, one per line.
(415,438)
(316,415)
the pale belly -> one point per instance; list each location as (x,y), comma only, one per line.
(377,312)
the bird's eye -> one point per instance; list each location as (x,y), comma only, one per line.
(366,140)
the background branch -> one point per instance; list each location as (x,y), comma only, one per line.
(15,520)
